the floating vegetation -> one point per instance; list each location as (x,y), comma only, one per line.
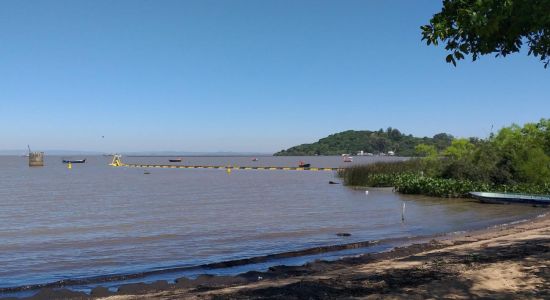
(410,183)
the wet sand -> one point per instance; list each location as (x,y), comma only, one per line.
(503,262)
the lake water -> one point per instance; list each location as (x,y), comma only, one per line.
(96,220)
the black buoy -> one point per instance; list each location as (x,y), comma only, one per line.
(332,182)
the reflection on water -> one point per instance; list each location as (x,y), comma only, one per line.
(95,219)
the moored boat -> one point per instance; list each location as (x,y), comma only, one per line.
(74,161)
(507,198)
(302,164)
(175,160)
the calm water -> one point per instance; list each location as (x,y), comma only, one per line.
(95,219)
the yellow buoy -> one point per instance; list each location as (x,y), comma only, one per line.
(69,166)
(228,170)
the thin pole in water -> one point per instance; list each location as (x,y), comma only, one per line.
(403,213)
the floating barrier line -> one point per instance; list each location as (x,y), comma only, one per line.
(225,167)
(117,162)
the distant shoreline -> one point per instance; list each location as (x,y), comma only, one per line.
(198,155)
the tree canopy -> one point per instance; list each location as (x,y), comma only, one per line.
(500,27)
(515,154)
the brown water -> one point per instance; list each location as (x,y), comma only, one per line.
(96,220)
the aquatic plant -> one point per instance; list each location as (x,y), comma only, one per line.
(411,183)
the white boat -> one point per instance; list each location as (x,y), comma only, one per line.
(506,198)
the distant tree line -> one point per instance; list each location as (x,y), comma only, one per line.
(375,142)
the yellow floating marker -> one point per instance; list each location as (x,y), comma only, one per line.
(228,170)
(117,161)
(69,165)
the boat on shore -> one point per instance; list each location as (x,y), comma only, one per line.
(74,161)
(507,198)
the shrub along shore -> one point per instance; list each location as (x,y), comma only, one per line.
(515,160)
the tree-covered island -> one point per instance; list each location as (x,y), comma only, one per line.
(375,142)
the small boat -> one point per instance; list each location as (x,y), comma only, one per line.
(348,159)
(507,198)
(303,165)
(74,161)
(254,159)
(175,160)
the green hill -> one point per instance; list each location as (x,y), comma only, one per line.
(375,142)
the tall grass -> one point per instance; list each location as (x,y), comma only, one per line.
(364,175)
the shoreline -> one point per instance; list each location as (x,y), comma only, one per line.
(307,255)
(205,267)
(527,238)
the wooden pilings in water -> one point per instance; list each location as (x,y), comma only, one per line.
(36,159)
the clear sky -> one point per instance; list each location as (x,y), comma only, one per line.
(242,75)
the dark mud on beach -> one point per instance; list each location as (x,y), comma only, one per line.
(209,282)
(218,265)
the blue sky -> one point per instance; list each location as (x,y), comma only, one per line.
(242,75)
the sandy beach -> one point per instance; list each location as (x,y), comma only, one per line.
(503,262)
